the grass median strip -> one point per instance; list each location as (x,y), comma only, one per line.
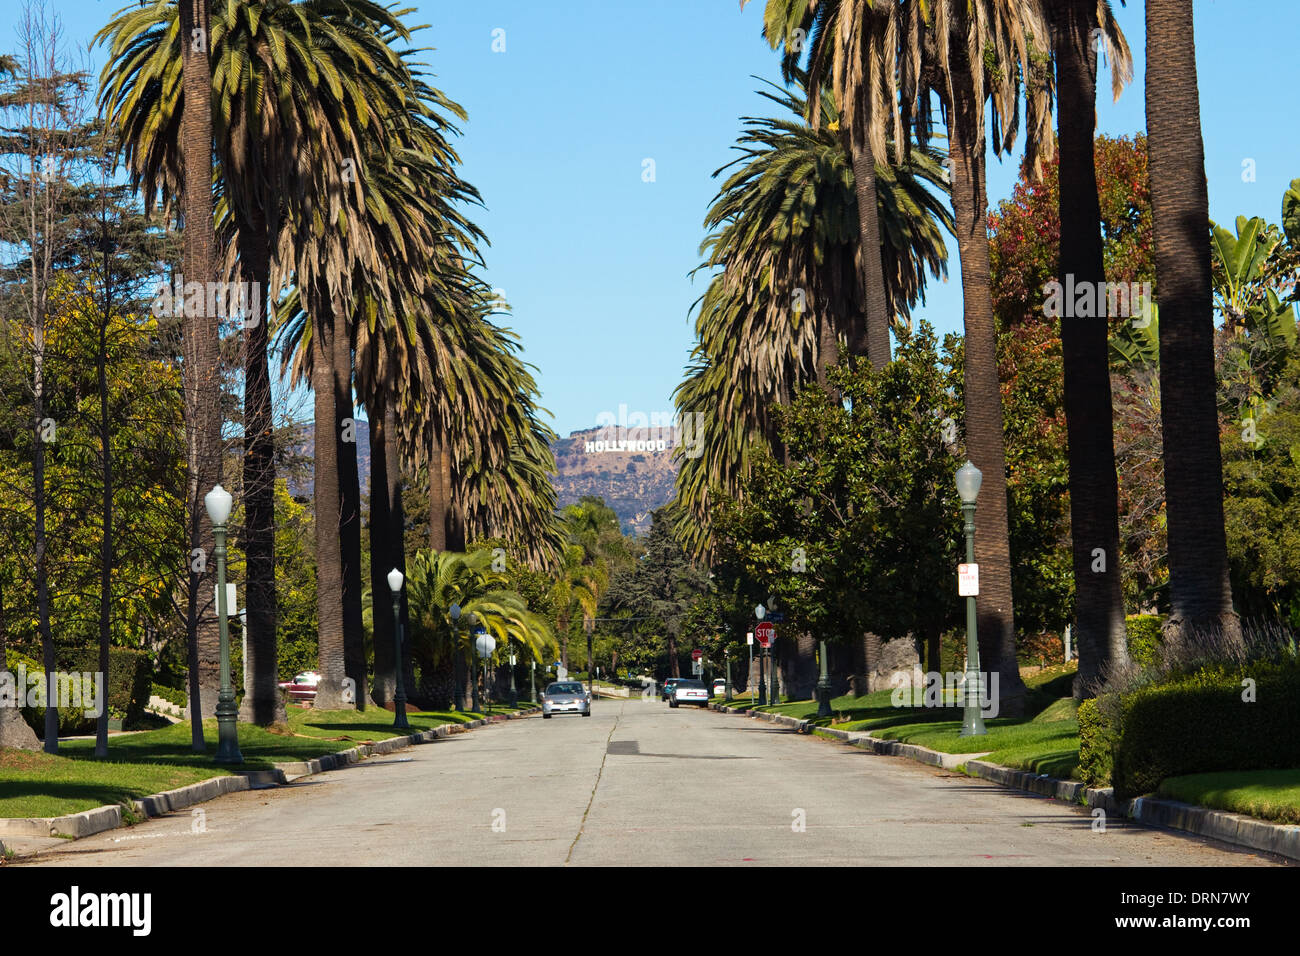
(35,784)
(1268,794)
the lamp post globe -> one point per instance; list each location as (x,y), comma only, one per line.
(218,502)
(969,479)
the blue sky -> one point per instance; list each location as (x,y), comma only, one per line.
(594,260)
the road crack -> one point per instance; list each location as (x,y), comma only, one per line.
(594,787)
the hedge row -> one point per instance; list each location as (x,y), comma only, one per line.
(1216,718)
(128,685)
(130,676)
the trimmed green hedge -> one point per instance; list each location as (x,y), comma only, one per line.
(1194,723)
(1144,636)
(130,677)
(1096,745)
(72,720)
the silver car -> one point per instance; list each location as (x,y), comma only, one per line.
(689,692)
(565,697)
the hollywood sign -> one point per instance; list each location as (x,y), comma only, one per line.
(625,445)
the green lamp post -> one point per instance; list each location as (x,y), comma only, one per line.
(727,698)
(218,502)
(760,612)
(395,579)
(484,644)
(823,683)
(458,701)
(968,488)
(514,694)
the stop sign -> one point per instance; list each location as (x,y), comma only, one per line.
(765,633)
(696,654)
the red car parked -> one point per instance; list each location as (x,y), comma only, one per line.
(303,687)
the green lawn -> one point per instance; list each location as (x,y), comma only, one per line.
(139,764)
(36,784)
(1269,794)
(1044,741)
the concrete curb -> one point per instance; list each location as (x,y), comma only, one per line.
(1235,828)
(97,820)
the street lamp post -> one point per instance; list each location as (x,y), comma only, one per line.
(760,612)
(218,501)
(484,645)
(395,579)
(728,684)
(532,682)
(458,698)
(823,683)
(514,694)
(588,623)
(968,488)
(749,674)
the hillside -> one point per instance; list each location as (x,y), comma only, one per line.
(632,482)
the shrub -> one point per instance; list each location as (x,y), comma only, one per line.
(1096,745)
(1043,647)
(1144,635)
(1193,723)
(72,720)
(130,675)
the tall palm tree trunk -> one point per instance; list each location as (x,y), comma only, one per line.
(329,556)
(349,526)
(397,532)
(437,496)
(455,519)
(983,397)
(263,704)
(1094,492)
(1200,595)
(200,349)
(870,270)
(382,558)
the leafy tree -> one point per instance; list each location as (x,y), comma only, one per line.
(859,529)
(659,589)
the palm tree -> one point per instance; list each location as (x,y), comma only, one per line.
(281,67)
(1094,491)
(436,581)
(199,344)
(784,234)
(845,39)
(1200,593)
(578,586)
(978,56)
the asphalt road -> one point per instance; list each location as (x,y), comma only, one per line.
(639,783)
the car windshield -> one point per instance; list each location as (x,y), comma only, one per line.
(692,684)
(564,689)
